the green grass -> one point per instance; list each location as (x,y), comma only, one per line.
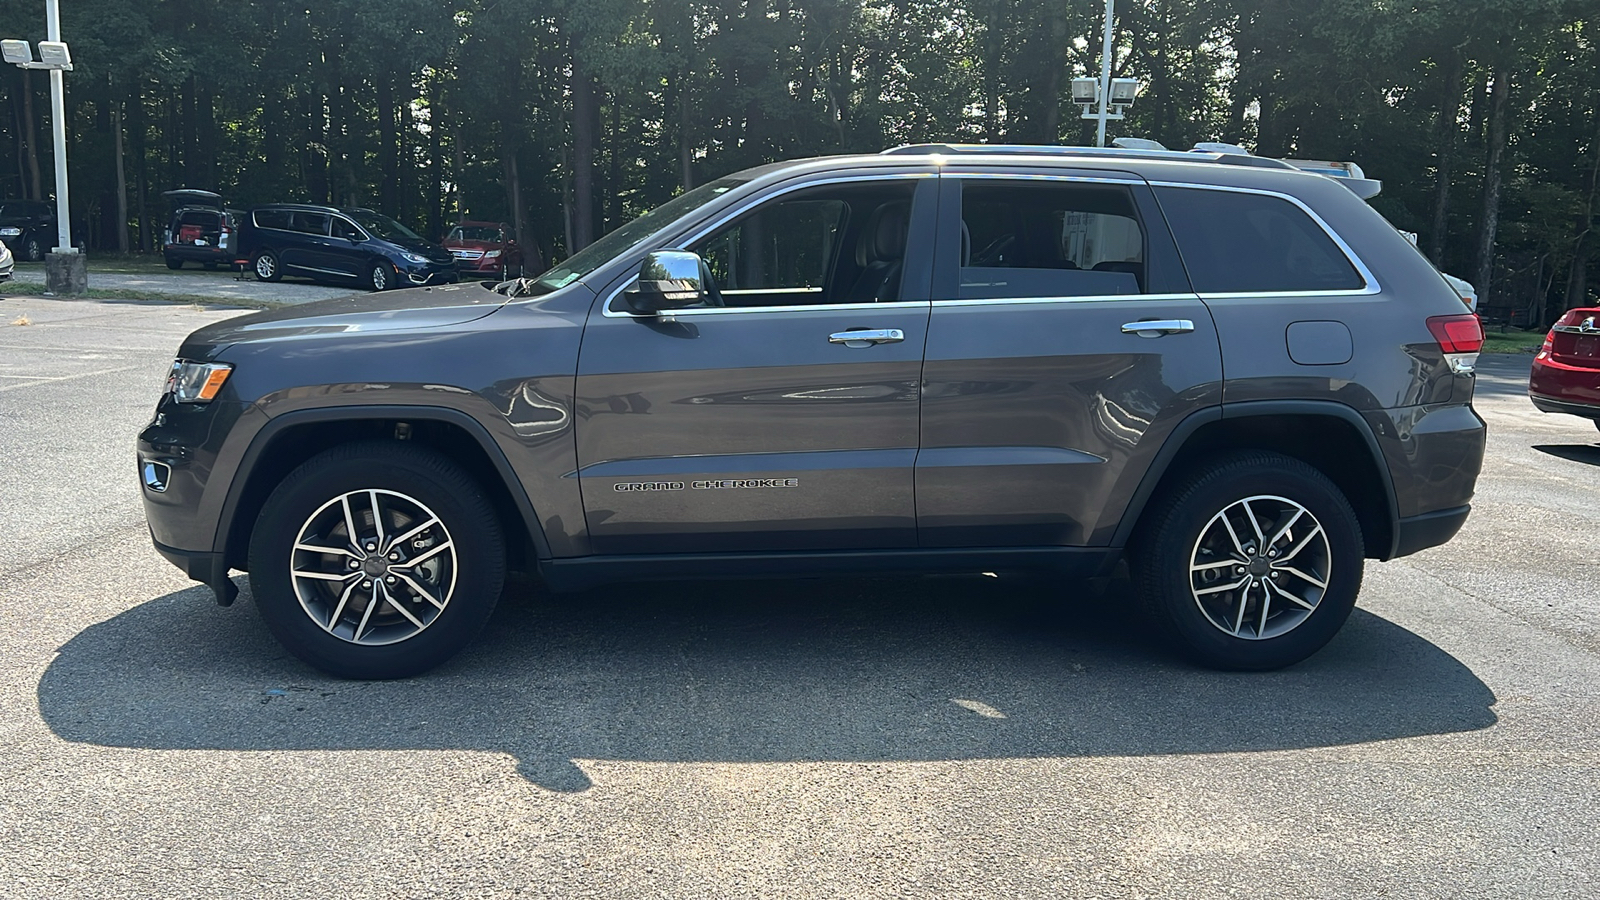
(1512,341)
(21,289)
(133,264)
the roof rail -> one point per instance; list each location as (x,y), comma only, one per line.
(1227,159)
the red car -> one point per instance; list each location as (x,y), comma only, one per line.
(1566,373)
(484,249)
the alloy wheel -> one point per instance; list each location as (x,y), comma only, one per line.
(266,266)
(1260,567)
(373,567)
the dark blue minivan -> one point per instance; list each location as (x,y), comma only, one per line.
(341,246)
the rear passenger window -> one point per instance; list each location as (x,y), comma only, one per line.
(1239,243)
(1048,239)
(309,223)
(272,218)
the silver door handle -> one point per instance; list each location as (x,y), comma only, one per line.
(868,336)
(1158,327)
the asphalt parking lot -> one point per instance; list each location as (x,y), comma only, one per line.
(952,737)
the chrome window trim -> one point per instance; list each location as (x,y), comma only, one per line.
(1087,298)
(1372,285)
(751,203)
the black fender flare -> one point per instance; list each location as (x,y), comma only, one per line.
(1253,408)
(263,438)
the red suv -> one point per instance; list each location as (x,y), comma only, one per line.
(1566,373)
(484,248)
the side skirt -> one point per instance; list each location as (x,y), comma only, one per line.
(588,571)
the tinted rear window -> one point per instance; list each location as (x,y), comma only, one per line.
(1238,243)
(272,218)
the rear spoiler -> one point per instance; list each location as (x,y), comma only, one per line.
(1346,173)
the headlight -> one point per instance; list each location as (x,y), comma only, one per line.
(491,254)
(412,257)
(196,382)
(10,232)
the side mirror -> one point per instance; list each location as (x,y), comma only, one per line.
(668,279)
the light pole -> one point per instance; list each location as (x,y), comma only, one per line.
(67,273)
(1105,76)
(1114,95)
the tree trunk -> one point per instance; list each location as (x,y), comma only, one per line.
(1446,130)
(205,139)
(514,199)
(613,189)
(1578,275)
(435,191)
(1498,112)
(122,178)
(388,162)
(32,130)
(141,176)
(991,74)
(1049,112)
(585,130)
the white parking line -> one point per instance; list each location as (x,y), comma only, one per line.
(12,387)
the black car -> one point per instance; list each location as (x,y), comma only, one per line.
(28,227)
(344,246)
(939,359)
(201,230)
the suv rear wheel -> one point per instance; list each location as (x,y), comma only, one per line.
(266,266)
(32,250)
(1253,561)
(376,560)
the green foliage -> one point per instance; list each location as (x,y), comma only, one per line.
(421,105)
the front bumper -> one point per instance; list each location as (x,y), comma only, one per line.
(429,273)
(205,567)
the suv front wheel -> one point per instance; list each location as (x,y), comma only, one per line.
(376,560)
(380,276)
(1252,561)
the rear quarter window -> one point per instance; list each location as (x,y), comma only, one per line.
(272,218)
(1241,243)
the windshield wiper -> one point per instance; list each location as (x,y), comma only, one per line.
(518,287)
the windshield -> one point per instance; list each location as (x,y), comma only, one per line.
(474,233)
(612,245)
(384,227)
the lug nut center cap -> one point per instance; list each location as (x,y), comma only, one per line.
(374,566)
(1260,566)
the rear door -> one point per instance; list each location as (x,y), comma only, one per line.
(1064,346)
(759,425)
(306,247)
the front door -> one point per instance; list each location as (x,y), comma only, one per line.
(759,425)
(1063,347)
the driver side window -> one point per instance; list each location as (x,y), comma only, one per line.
(834,244)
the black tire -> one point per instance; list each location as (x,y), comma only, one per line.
(32,250)
(174,263)
(266,266)
(468,526)
(1179,530)
(381,276)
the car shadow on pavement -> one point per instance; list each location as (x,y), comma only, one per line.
(1583,453)
(798,670)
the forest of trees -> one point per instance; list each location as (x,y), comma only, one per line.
(567,117)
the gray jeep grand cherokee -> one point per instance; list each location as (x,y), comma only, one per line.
(1233,374)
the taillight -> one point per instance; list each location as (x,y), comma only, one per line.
(1460,337)
(1457,334)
